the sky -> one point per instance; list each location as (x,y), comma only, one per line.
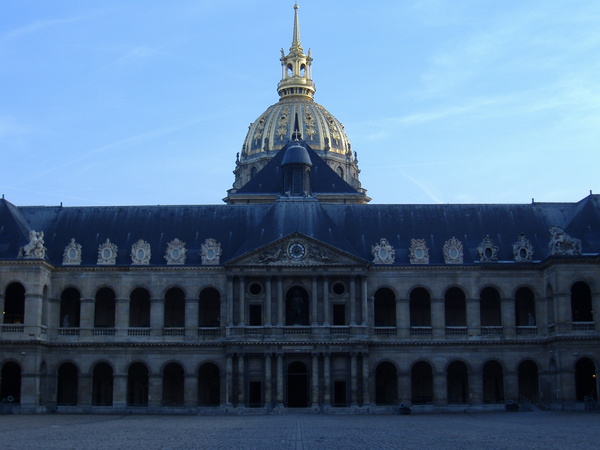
(123,102)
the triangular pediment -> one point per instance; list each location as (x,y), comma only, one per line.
(297,250)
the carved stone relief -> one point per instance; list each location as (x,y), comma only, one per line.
(175,254)
(563,244)
(418,252)
(282,124)
(72,254)
(453,251)
(34,249)
(488,252)
(309,123)
(383,253)
(107,253)
(140,253)
(522,249)
(211,252)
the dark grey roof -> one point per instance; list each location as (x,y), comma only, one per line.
(352,228)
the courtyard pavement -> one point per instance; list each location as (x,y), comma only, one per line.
(517,430)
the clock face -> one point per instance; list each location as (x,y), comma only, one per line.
(296,251)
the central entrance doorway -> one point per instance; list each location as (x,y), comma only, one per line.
(297,385)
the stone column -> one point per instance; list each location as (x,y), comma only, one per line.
(242,298)
(563,319)
(157,316)
(279,301)
(280,379)
(121,316)
(268,302)
(33,314)
(365,379)
(314,302)
(507,309)
(155,390)
(440,389)
(353,379)
(229,301)
(268,381)
(473,317)
(191,318)
(327,379)
(511,386)
(86,317)
(352,301)
(475,380)
(241,380)
(326,321)
(84,390)
(229,380)
(403,317)
(438,317)
(119,390)
(190,390)
(364,301)
(404,388)
(315,380)
(596,316)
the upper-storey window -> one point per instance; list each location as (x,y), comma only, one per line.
(174,308)
(70,304)
(525,307)
(385,308)
(14,304)
(581,302)
(139,308)
(455,308)
(490,307)
(420,308)
(104,308)
(210,308)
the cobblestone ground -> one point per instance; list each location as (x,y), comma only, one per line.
(543,430)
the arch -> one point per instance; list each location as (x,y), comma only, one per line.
(493,382)
(490,312)
(174,311)
(10,383)
(209,309)
(209,385)
(139,308)
(67,384)
(14,303)
(253,171)
(70,306)
(297,385)
(102,384)
(137,385)
(525,307)
(340,171)
(296,306)
(457,376)
(384,308)
(420,307)
(421,382)
(455,307)
(581,302)
(550,304)
(586,387)
(528,380)
(386,384)
(43,383)
(173,384)
(104,308)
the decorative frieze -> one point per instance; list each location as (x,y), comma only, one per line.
(107,253)
(418,252)
(72,254)
(488,252)
(383,253)
(211,252)
(453,251)
(522,249)
(34,249)
(563,244)
(176,252)
(140,253)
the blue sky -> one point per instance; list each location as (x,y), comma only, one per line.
(147,102)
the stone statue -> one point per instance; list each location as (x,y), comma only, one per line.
(34,249)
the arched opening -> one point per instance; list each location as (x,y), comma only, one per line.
(302,70)
(290,71)
(421,381)
(137,385)
(297,385)
(102,385)
(340,171)
(458,382)
(174,308)
(455,307)
(489,300)
(14,304)
(10,384)
(386,384)
(493,382)
(209,308)
(385,308)
(209,385)
(104,309)
(296,307)
(43,384)
(586,387)
(69,308)
(420,308)
(67,384)
(550,307)
(253,172)
(581,302)
(525,307)
(173,384)
(139,308)
(528,381)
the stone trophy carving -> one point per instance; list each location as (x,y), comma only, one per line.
(488,252)
(522,249)
(107,253)
(563,244)
(383,253)
(211,252)
(34,249)
(72,254)
(418,252)
(319,255)
(270,255)
(140,253)
(453,251)
(175,254)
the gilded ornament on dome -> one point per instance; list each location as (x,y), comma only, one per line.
(309,123)
(282,124)
(259,129)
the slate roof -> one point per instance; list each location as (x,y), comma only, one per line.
(243,228)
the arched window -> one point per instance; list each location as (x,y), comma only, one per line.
(493,382)
(455,308)
(528,380)
(253,172)
(14,304)
(458,382)
(340,171)
(296,307)
(489,300)
(104,308)
(421,380)
(385,308)
(525,307)
(585,380)
(174,308)
(139,308)
(69,308)
(302,70)
(209,385)
(210,308)
(10,383)
(290,70)
(420,308)
(581,302)
(67,384)
(102,385)
(386,384)
(173,384)
(137,385)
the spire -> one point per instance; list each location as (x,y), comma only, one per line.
(296,68)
